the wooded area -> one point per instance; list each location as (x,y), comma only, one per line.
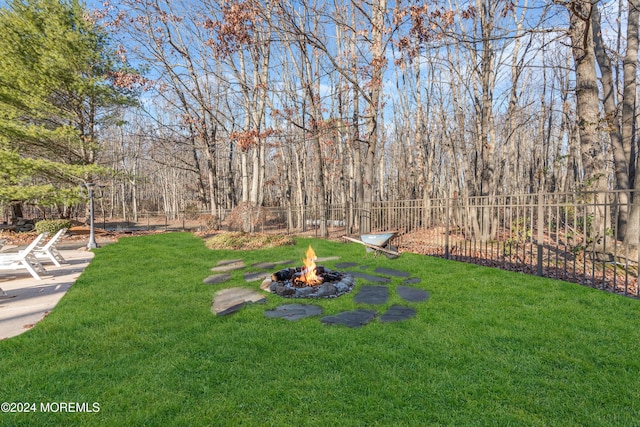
(292,104)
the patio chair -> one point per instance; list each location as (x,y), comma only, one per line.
(49,251)
(24,259)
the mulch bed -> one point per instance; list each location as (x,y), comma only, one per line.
(76,234)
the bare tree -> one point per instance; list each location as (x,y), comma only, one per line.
(619,121)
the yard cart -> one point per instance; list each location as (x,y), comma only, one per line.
(377,243)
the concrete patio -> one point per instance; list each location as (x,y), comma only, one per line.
(24,301)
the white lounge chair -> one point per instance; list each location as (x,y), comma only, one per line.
(49,251)
(24,259)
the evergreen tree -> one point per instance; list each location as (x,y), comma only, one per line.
(60,82)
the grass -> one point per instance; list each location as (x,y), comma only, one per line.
(136,335)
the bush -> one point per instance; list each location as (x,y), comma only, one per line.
(52,226)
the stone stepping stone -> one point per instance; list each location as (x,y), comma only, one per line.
(228,267)
(346,264)
(352,319)
(259,275)
(285,262)
(397,313)
(372,295)
(327,258)
(217,278)
(264,265)
(230,300)
(410,294)
(391,272)
(369,277)
(412,281)
(230,261)
(266,284)
(294,311)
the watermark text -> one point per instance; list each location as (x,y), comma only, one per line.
(87,407)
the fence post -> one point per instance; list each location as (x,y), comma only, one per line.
(632,196)
(540,236)
(447,200)
(303,210)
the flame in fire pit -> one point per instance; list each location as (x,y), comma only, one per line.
(309,275)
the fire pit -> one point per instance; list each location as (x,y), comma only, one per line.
(310,281)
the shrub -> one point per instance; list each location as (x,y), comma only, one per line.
(52,226)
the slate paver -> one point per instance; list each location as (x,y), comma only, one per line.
(217,278)
(411,281)
(397,313)
(352,319)
(294,311)
(230,300)
(411,294)
(264,265)
(369,277)
(346,264)
(228,267)
(256,275)
(391,272)
(229,261)
(372,295)
(327,258)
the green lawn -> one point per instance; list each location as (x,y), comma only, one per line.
(136,335)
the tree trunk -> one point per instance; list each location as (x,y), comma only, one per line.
(632,237)
(587,111)
(612,120)
(629,91)
(378,64)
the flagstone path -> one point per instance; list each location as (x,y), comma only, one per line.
(369,294)
(294,311)
(376,292)
(230,300)
(353,319)
(217,278)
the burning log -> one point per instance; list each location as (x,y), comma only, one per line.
(283,275)
(332,276)
(301,278)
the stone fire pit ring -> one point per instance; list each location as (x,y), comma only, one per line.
(334,284)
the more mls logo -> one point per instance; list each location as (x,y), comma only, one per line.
(69,407)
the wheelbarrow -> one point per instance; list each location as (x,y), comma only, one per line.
(378,243)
